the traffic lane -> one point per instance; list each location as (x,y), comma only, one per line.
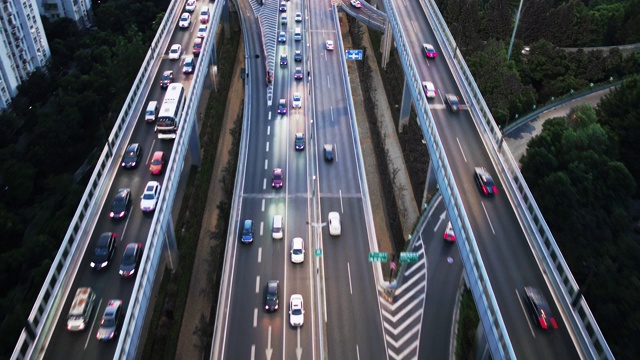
(255,264)
(106,282)
(496,230)
(298,280)
(444,275)
(353,316)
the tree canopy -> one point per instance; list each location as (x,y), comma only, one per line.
(584,191)
(60,116)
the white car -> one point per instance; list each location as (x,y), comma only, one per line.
(185,20)
(204,15)
(283,19)
(449,235)
(296,310)
(356,3)
(297,250)
(175,52)
(298,17)
(297,101)
(190,6)
(202,31)
(329,45)
(149,198)
(334,223)
(429,89)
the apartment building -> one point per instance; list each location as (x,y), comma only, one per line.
(23,45)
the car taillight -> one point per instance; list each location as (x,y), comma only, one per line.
(553,323)
(495,189)
(484,189)
(543,323)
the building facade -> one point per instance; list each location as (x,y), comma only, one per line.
(23,45)
(76,10)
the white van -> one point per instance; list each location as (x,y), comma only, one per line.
(297,34)
(152,111)
(278,227)
(80,311)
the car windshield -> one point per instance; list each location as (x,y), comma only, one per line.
(128,257)
(108,322)
(119,201)
(166,77)
(101,250)
(149,196)
(156,162)
(131,154)
(297,251)
(296,312)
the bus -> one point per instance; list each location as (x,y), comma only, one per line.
(170,112)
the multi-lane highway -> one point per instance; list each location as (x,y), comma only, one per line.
(505,251)
(107,284)
(342,318)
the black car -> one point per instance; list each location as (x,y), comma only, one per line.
(297,57)
(283,60)
(297,74)
(131,157)
(299,141)
(539,307)
(103,251)
(484,181)
(453,102)
(120,204)
(328,152)
(130,260)
(167,79)
(272,295)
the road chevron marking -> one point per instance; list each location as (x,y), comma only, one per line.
(406,297)
(403,355)
(410,307)
(396,330)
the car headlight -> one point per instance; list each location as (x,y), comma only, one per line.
(104,264)
(92,264)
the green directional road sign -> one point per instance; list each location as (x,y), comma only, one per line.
(378,256)
(406,257)
(318,252)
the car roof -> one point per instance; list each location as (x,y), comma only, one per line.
(158,154)
(104,237)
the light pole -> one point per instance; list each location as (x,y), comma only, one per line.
(515,27)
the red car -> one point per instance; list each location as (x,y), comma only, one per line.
(157,162)
(277,178)
(197,46)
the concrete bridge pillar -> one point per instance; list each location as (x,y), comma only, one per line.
(405,106)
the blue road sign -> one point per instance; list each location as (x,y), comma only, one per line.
(354,54)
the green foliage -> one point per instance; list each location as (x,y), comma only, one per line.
(55,121)
(584,192)
(619,114)
(499,82)
(467,326)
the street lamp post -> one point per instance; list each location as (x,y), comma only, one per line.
(515,27)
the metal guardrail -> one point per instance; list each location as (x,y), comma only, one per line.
(591,341)
(480,285)
(222,311)
(59,279)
